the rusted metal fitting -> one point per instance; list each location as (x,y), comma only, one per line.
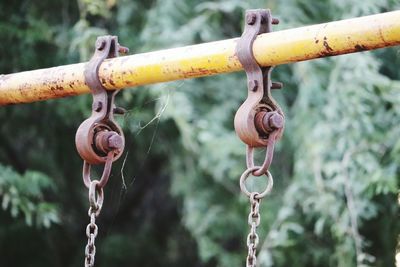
(106,141)
(259,121)
(267,122)
(89,144)
(276,85)
(260,114)
(119,111)
(100,134)
(275,21)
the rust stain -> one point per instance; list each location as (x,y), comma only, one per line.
(67,94)
(324,54)
(57,89)
(326,45)
(111,82)
(381,35)
(199,72)
(359,47)
(22,90)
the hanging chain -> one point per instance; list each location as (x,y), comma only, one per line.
(254,215)
(96,197)
(91,233)
(252,237)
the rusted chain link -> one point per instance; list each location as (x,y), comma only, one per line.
(91,233)
(96,197)
(254,215)
(269,153)
(246,174)
(252,237)
(106,171)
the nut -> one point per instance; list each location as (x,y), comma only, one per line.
(275,21)
(115,141)
(276,121)
(106,141)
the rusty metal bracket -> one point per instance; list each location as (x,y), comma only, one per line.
(99,139)
(259,121)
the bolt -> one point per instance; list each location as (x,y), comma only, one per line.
(97,106)
(100,44)
(275,120)
(106,141)
(123,49)
(115,141)
(253,85)
(119,111)
(251,18)
(266,122)
(275,21)
(276,85)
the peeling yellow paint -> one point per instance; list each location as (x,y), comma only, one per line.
(282,47)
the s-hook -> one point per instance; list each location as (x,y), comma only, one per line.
(99,139)
(259,121)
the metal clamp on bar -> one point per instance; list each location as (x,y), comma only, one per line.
(99,139)
(259,121)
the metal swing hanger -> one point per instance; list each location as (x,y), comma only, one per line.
(99,139)
(259,122)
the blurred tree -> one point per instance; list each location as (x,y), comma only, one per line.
(173,199)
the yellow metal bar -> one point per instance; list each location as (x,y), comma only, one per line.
(305,43)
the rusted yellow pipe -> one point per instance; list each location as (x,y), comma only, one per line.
(305,43)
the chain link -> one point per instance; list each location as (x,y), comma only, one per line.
(252,237)
(96,201)
(254,215)
(91,233)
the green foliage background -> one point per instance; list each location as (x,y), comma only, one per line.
(173,200)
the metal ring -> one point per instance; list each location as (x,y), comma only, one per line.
(106,171)
(246,174)
(95,200)
(269,153)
